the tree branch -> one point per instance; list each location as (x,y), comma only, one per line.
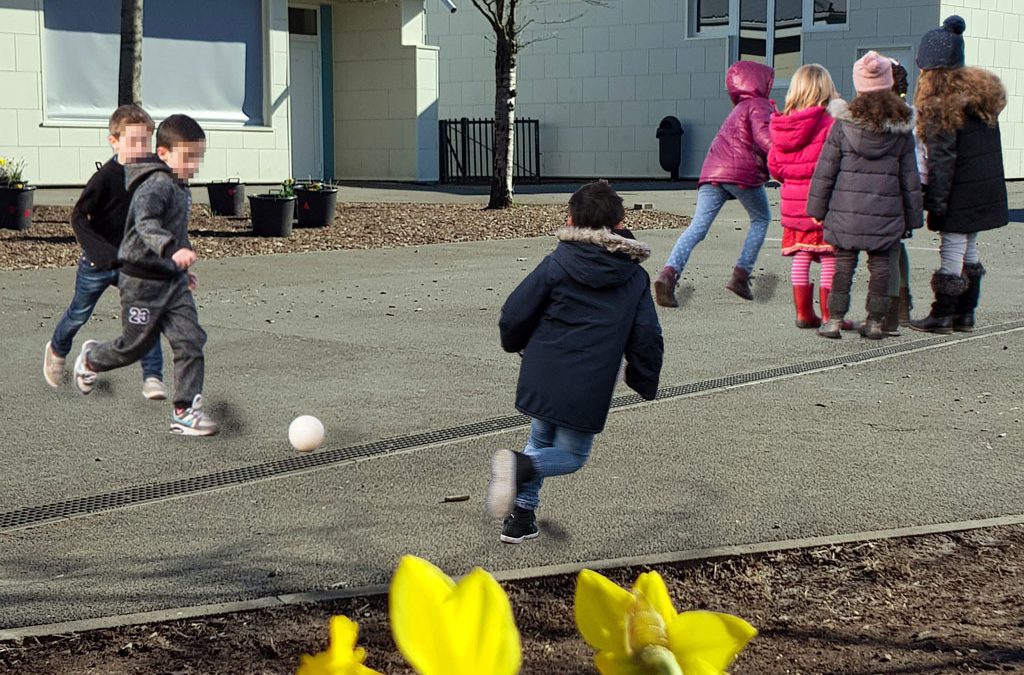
(488,13)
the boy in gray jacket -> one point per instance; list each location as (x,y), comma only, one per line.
(156,286)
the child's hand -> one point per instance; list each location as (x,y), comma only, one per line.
(193,281)
(818,222)
(183,258)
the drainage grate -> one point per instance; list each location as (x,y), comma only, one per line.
(48,513)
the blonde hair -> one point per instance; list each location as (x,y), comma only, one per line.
(811,85)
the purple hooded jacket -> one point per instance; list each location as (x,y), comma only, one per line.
(739,153)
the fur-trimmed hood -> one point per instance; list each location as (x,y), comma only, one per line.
(874,122)
(591,265)
(947,98)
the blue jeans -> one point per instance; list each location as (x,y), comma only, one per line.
(555,451)
(710,199)
(89,286)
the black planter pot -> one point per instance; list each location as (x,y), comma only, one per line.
(271,215)
(315,208)
(227,199)
(16,207)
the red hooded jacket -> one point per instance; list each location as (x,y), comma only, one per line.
(739,152)
(797,140)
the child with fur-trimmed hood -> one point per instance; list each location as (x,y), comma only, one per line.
(866,189)
(572,319)
(958,110)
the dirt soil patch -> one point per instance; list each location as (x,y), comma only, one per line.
(50,242)
(934,604)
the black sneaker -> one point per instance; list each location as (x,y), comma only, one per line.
(519,525)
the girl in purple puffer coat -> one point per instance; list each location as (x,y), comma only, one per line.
(736,166)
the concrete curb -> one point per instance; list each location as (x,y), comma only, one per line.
(200,611)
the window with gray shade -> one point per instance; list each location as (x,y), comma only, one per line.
(830,12)
(199,57)
(712,14)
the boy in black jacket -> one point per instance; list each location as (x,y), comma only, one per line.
(98,220)
(573,319)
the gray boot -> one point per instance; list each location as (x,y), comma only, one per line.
(838,306)
(878,307)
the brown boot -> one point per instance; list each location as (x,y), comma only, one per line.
(665,287)
(906,304)
(740,283)
(891,321)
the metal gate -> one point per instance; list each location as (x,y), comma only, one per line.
(467,153)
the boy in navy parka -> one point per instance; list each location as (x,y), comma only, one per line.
(583,308)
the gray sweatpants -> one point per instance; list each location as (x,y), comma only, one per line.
(150,307)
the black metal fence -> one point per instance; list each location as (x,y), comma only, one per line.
(467,150)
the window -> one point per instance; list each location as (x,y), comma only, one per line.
(201,58)
(712,14)
(829,12)
(302,21)
(766,31)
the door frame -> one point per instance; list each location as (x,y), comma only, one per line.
(319,107)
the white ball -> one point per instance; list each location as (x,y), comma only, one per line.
(306,433)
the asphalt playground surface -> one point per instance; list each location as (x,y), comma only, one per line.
(383,344)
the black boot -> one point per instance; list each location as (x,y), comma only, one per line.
(877,306)
(963,320)
(948,289)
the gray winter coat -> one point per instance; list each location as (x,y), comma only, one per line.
(157,224)
(866,187)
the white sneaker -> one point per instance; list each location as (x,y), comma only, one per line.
(53,367)
(153,388)
(193,421)
(85,379)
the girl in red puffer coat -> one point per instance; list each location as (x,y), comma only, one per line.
(798,134)
(736,167)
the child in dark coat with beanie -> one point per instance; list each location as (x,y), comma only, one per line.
(869,152)
(572,319)
(958,112)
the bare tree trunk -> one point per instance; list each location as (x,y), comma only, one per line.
(129,78)
(504,123)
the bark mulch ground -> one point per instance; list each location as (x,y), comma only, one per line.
(50,242)
(934,604)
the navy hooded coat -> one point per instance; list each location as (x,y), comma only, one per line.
(583,308)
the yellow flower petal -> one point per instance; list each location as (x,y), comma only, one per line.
(419,624)
(611,663)
(600,609)
(652,586)
(708,639)
(480,615)
(342,657)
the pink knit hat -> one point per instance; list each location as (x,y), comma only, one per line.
(872,72)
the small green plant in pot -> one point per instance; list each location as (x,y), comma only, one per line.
(273,212)
(316,202)
(16,195)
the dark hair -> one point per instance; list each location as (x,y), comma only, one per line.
(126,114)
(596,206)
(178,129)
(900,84)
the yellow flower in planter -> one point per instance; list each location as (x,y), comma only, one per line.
(638,632)
(342,657)
(444,628)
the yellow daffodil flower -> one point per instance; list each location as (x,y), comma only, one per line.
(342,657)
(638,632)
(444,628)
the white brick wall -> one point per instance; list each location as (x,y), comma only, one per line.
(385,92)
(61,154)
(598,85)
(993,41)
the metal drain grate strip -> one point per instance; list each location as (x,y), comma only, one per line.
(39,515)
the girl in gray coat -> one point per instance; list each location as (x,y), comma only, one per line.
(866,189)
